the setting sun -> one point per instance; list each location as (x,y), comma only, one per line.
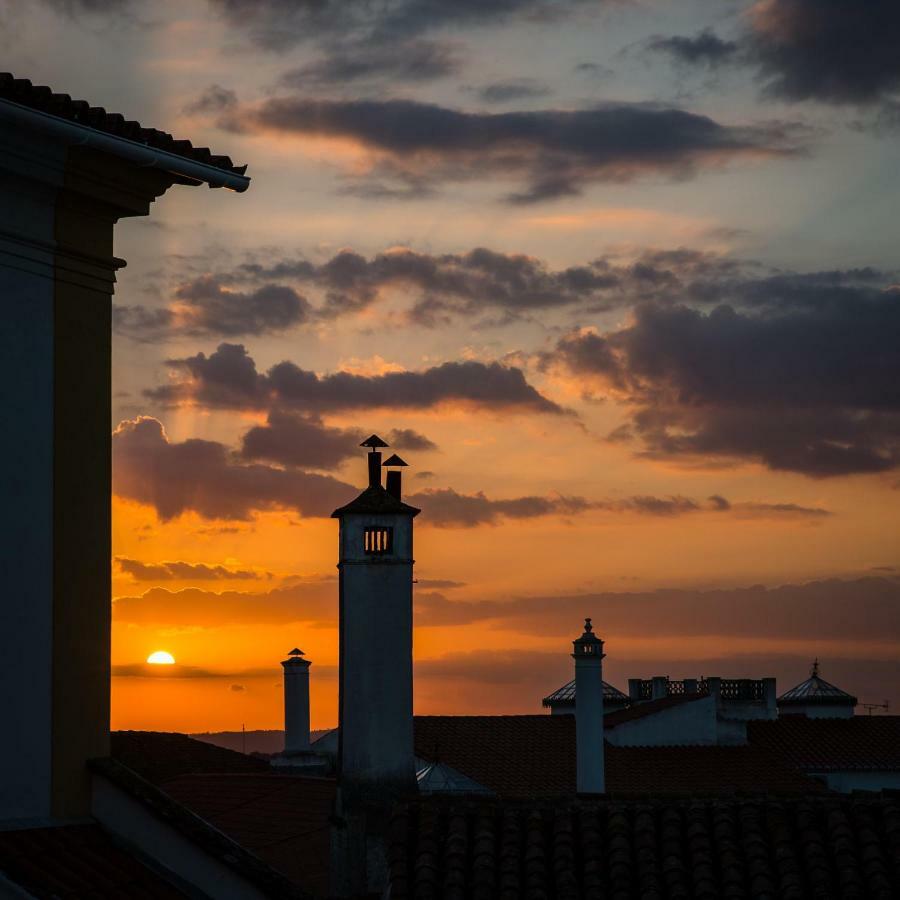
(161,658)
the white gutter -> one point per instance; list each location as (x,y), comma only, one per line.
(74,133)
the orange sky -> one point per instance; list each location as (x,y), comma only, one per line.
(640,314)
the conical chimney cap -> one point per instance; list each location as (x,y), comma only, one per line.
(374,442)
(394,460)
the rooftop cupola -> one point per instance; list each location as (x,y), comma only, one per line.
(588,655)
(817,698)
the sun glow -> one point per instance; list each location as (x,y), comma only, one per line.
(161,658)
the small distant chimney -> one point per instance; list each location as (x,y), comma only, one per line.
(296,702)
(393,484)
(373,442)
(588,655)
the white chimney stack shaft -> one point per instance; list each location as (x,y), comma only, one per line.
(588,656)
(296,703)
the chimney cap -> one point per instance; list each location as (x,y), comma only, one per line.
(394,460)
(588,644)
(373,442)
(296,652)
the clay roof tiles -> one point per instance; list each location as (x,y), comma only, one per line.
(705,849)
(534,756)
(861,743)
(72,861)
(43,99)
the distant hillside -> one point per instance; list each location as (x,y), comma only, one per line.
(250,741)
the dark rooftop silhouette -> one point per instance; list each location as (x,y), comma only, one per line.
(44,99)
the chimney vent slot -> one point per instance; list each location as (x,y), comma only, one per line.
(378,540)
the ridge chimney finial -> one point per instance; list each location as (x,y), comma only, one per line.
(814,672)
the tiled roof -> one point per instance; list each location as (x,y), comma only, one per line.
(43,99)
(283,819)
(863,743)
(534,756)
(159,756)
(566,695)
(707,850)
(75,861)
(375,500)
(816,690)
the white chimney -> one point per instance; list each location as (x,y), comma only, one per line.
(296,703)
(376,762)
(588,655)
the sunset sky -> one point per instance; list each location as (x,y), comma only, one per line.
(619,280)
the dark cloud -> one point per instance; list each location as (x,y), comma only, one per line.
(304,602)
(829,51)
(447,508)
(594,70)
(204,307)
(512,89)
(228,379)
(215,99)
(203,477)
(862,609)
(439,584)
(704,48)
(296,440)
(548,153)
(799,387)
(281,24)
(410,439)
(238,688)
(182,571)
(411,61)
(441,286)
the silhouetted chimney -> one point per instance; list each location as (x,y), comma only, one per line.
(393,484)
(296,702)
(588,656)
(373,442)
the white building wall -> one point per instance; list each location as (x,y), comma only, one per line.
(687,723)
(27,197)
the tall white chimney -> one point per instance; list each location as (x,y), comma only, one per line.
(296,703)
(376,763)
(588,655)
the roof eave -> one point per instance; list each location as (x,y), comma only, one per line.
(141,155)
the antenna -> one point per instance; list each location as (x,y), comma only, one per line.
(871,707)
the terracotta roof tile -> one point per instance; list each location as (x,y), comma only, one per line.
(534,756)
(789,848)
(283,819)
(42,98)
(77,861)
(159,756)
(863,743)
